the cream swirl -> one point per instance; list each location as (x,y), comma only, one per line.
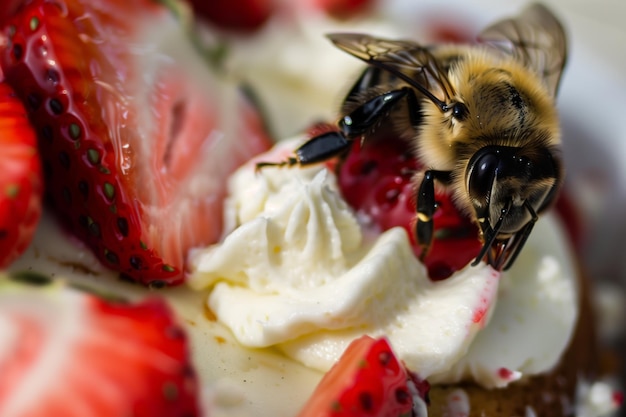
(295,271)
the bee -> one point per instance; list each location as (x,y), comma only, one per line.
(481,117)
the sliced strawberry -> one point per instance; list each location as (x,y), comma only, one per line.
(21,183)
(8,9)
(68,353)
(238,15)
(138,135)
(368,380)
(344,9)
(376,180)
(445,30)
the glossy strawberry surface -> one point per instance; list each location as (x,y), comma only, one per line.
(237,15)
(21,183)
(73,353)
(368,380)
(137,132)
(344,9)
(376,179)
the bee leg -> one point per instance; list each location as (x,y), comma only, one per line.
(317,149)
(323,147)
(289,162)
(358,122)
(365,117)
(426,206)
(370,77)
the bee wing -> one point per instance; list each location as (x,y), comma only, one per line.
(535,38)
(405,59)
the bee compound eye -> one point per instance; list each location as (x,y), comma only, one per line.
(482,174)
(459,111)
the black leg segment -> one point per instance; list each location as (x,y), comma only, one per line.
(426,206)
(322,148)
(357,123)
(365,117)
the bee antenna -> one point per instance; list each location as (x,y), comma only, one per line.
(411,81)
(442,105)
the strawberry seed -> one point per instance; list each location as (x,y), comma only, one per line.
(74,131)
(111,257)
(122,225)
(83,188)
(366,401)
(55,106)
(18,51)
(34,23)
(136,262)
(402,396)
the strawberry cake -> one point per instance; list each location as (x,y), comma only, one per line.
(152,270)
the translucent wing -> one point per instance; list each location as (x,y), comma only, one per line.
(405,59)
(535,38)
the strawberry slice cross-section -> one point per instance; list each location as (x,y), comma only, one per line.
(66,352)
(138,133)
(368,380)
(21,183)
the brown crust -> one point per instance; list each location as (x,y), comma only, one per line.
(551,394)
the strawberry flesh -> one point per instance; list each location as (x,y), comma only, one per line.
(21,182)
(344,9)
(376,179)
(368,380)
(78,354)
(8,9)
(238,15)
(129,118)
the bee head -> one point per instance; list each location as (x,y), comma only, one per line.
(500,99)
(508,185)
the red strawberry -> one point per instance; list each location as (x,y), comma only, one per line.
(21,185)
(376,180)
(8,8)
(343,9)
(66,353)
(238,15)
(444,30)
(138,135)
(368,380)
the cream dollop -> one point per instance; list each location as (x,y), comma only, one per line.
(295,271)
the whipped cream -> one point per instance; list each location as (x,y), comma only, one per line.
(296,271)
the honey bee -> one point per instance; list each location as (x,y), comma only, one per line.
(480,117)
